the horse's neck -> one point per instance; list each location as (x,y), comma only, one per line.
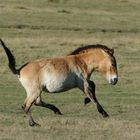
(89,61)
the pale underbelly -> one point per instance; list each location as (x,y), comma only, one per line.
(59,84)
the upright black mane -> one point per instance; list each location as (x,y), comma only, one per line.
(97,46)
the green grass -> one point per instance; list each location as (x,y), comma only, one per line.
(34,29)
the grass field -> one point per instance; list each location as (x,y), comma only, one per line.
(47,28)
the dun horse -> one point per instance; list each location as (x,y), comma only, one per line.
(60,74)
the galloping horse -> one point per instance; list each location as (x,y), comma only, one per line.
(60,74)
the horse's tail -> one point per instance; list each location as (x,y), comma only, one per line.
(11,59)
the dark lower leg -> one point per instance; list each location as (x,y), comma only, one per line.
(102,111)
(99,107)
(32,123)
(49,106)
(91,95)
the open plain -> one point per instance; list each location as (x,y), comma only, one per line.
(48,28)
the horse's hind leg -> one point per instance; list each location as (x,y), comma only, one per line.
(41,103)
(90,93)
(26,107)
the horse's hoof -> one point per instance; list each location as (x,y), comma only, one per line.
(34,124)
(105,115)
(58,113)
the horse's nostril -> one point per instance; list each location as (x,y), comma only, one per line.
(114,81)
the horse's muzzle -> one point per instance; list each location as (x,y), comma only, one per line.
(114,80)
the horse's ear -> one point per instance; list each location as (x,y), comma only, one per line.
(112,51)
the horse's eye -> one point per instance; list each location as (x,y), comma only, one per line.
(113,65)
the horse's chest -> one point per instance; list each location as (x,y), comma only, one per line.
(59,83)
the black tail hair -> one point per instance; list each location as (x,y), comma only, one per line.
(11,59)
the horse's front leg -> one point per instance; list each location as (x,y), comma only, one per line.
(89,90)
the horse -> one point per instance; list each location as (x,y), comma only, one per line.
(55,75)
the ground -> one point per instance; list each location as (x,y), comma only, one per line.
(49,28)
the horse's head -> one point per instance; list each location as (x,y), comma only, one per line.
(104,61)
(108,66)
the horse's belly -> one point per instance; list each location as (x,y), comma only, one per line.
(55,84)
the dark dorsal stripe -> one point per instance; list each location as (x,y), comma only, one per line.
(97,46)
